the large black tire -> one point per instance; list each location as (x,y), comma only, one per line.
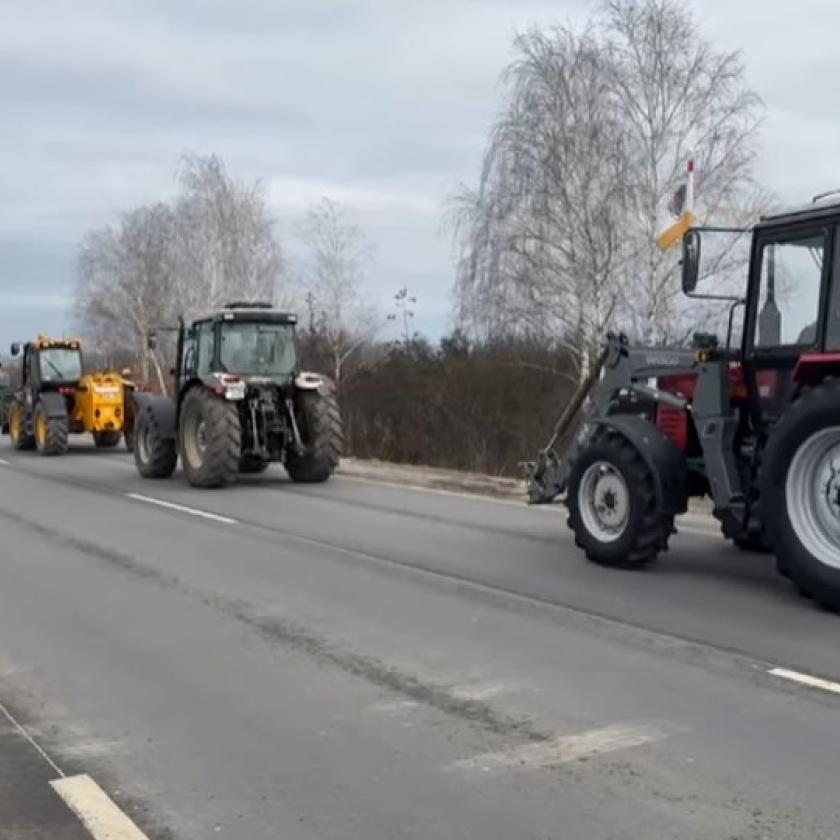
(252,464)
(319,422)
(623,489)
(52,433)
(800,491)
(154,455)
(20,427)
(210,439)
(128,429)
(106,440)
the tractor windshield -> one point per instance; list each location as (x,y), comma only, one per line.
(60,364)
(257,349)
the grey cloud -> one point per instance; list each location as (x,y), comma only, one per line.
(384,104)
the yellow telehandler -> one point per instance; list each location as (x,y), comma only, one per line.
(52,398)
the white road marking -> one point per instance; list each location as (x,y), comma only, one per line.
(98,813)
(23,733)
(203,514)
(562,750)
(4,462)
(806,679)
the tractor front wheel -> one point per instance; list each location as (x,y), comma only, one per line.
(319,421)
(154,454)
(612,505)
(21,436)
(210,439)
(800,493)
(52,433)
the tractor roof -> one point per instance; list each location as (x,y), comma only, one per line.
(822,206)
(251,312)
(42,342)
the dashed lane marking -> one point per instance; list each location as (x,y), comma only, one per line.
(4,462)
(562,750)
(203,514)
(96,810)
(805,679)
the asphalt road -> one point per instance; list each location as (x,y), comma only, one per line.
(361,661)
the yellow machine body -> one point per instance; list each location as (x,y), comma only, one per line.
(99,403)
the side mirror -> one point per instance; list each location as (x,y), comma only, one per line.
(690,261)
(151,341)
(15,349)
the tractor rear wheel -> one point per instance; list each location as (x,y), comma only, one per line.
(210,439)
(319,422)
(107,439)
(154,455)
(800,491)
(52,433)
(21,436)
(612,505)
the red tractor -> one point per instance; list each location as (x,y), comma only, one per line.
(756,428)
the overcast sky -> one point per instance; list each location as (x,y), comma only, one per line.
(380,104)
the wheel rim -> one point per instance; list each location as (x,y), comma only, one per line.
(41,428)
(143,442)
(604,501)
(812,493)
(15,423)
(195,439)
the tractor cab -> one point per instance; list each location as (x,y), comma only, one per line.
(791,331)
(49,364)
(253,342)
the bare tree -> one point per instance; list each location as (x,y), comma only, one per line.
(559,237)
(338,256)
(680,97)
(125,281)
(214,244)
(542,241)
(225,243)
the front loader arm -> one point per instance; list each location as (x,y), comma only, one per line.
(547,475)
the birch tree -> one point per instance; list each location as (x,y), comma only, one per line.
(339,254)
(558,238)
(125,280)
(224,240)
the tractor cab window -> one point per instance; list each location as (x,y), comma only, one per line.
(257,349)
(832,332)
(205,348)
(191,352)
(791,284)
(60,364)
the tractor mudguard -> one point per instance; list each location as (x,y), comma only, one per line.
(163,409)
(54,404)
(665,461)
(314,382)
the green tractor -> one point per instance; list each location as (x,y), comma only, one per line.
(240,403)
